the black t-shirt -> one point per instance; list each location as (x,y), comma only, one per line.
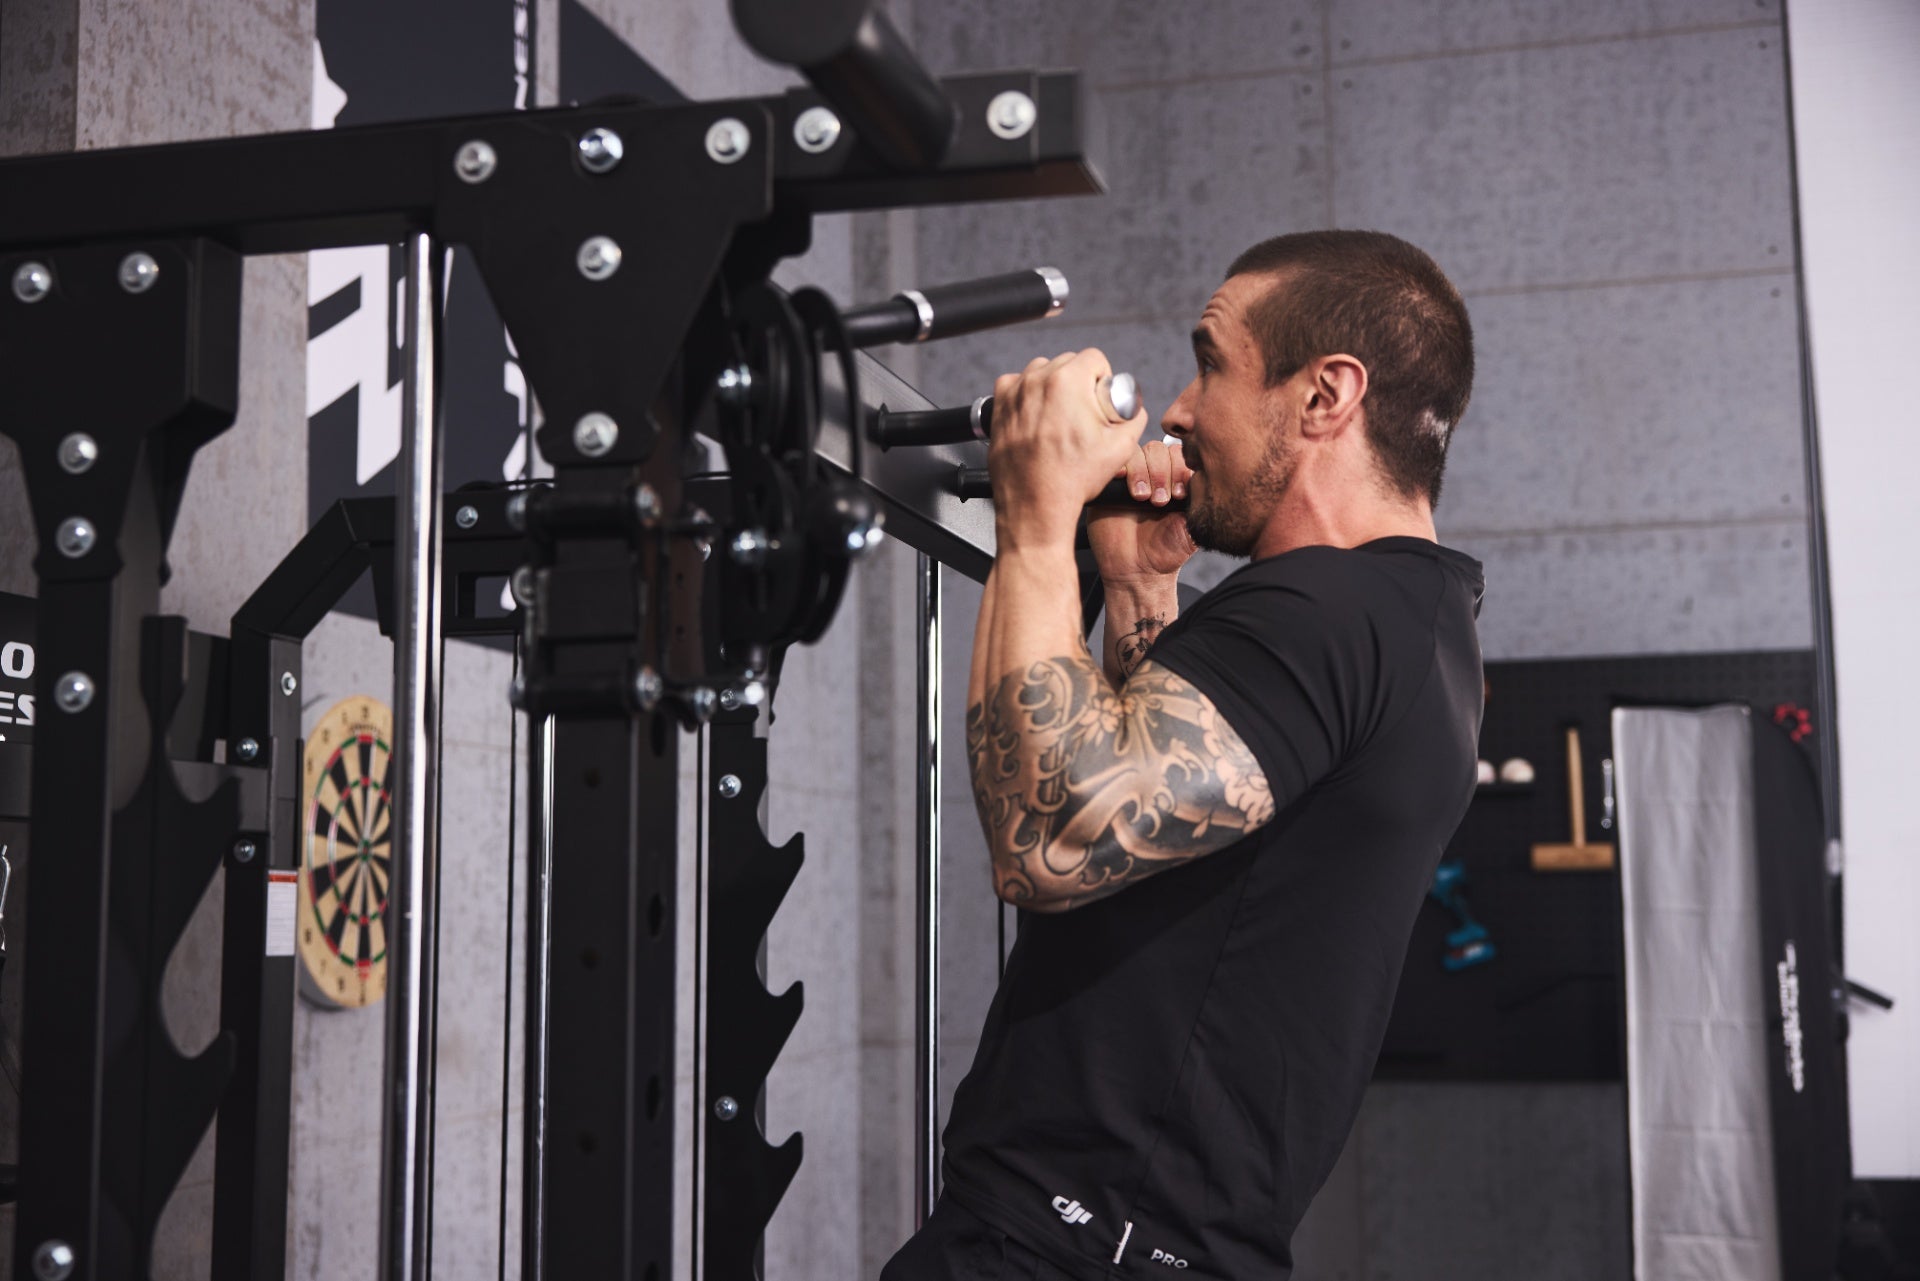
(1167,1075)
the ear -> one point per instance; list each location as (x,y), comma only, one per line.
(1336,386)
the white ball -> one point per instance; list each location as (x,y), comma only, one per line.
(1516,770)
(1483,772)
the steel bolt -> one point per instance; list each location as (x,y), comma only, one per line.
(73,691)
(728,140)
(53,1261)
(288,683)
(475,161)
(729,699)
(729,785)
(75,537)
(78,452)
(32,281)
(138,271)
(595,434)
(726,1108)
(735,384)
(599,257)
(247,749)
(600,150)
(517,512)
(647,688)
(816,130)
(517,693)
(466,518)
(646,503)
(244,850)
(522,584)
(1011,114)
(702,701)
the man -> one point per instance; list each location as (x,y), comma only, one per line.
(1169,1070)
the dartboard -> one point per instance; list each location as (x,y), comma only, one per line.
(345,859)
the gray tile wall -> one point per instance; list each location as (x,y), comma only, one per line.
(1608,186)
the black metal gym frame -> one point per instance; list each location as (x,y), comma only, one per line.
(619,282)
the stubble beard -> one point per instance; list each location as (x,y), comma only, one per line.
(1232,524)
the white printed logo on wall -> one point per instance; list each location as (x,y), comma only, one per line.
(353,354)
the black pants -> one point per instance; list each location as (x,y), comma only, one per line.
(955,1246)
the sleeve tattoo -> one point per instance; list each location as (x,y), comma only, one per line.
(1132,648)
(1084,789)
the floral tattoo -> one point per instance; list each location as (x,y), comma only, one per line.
(1084,789)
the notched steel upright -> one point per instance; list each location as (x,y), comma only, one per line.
(747,1026)
(112,1110)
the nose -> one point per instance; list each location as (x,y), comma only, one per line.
(1178,420)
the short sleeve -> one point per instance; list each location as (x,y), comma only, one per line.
(1293,666)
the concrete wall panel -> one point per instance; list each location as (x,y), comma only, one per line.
(1649,590)
(1444,1167)
(1123,41)
(1611,161)
(1676,401)
(1376,29)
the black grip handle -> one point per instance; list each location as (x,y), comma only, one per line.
(1120,393)
(852,54)
(946,311)
(973,482)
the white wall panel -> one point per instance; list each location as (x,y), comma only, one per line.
(1856,91)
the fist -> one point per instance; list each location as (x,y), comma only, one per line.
(1052,446)
(1147,541)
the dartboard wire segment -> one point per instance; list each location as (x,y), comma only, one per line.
(347,856)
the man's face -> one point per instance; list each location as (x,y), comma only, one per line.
(1237,435)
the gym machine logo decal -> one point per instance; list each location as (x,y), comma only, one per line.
(16,668)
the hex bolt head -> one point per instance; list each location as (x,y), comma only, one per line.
(1011,115)
(32,281)
(244,850)
(466,518)
(75,537)
(728,140)
(53,1261)
(78,452)
(595,434)
(475,161)
(247,749)
(522,584)
(600,150)
(288,683)
(647,688)
(816,130)
(646,503)
(73,692)
(138,271)
(726,1108)
(702,701)
(517,512)
(729,699)
(599,257)
(729,785)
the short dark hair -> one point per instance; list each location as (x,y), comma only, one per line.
(1379,299)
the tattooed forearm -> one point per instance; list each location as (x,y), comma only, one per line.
(1084,789)
(1132,647)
